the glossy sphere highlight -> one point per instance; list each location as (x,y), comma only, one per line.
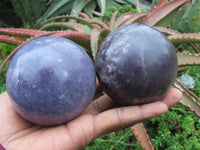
(51,80)
(136,64)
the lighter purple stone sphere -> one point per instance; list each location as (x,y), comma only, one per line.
(51,80)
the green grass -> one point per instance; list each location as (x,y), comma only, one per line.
(121,140)
(178,129)
(5,50)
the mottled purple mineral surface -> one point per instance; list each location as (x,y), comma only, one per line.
(51,80)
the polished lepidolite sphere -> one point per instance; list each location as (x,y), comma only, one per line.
(136,64)
(51,80)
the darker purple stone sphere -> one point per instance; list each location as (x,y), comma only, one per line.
(136,64)
(51,80)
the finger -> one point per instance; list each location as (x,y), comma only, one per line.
(11,122)
(174,96)
(119,118)
(100,104)
(98,87)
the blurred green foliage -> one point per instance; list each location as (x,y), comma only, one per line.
(178,129)
(188,20)
(121,140)
(5,50)
(36,11)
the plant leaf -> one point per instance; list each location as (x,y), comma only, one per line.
(184,38)
(98,22)
(143,4)
(29,10)
(55,6)
(164,22)
(138,6)
(121,2)
(122,18)
(102,5)
(58,26)
(67,25)
(188,99)
(112,21)
(193,105)
(21,32)
(10,40)
(142,136)
(78,6)
(78,19)
(94,39)
(196,47)
(89,8)
(167,31)
(134,18)
(161,12)
(111,3)
(186,59)
(103,34)
(190,21)
(79,38)
(84,15)
(161,3)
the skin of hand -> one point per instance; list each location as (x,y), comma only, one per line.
(101,116)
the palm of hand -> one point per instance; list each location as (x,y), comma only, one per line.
(100,117)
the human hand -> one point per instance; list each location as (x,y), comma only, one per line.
(101,116)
